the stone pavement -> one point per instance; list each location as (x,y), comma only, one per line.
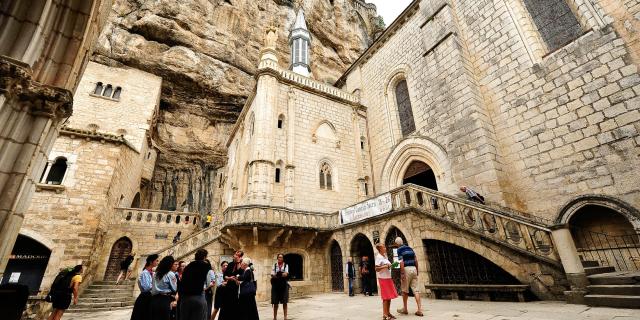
(339,306)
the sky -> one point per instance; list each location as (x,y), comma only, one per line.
(390,9)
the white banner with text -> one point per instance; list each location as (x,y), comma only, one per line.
(370,208)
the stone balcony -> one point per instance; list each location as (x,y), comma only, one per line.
(265,216)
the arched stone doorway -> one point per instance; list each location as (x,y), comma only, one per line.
(361,247)
(136,201)
(337,276)
(606,237)
(421,174)
(119,251)
(27,263)
(451,264)
(392,253)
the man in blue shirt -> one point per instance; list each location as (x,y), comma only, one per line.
(408,276)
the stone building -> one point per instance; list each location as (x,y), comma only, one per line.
(535,104)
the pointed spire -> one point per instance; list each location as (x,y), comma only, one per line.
(300,43)
(300,21)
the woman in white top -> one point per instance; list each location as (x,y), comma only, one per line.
(383,273)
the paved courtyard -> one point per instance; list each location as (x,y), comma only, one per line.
(338,306)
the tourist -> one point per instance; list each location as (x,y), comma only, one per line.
(177,237)
(191,291)
(64,291)
(350,274)
(181,265)
(279,286)
(472,194)
(207,222)
(208,290)
(365,273)
(247,297)
(142,305)
(387,288)
(408,276)
(220,287)
(229,309)
(163,289)
(125,270)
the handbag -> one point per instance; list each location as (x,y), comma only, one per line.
(247,287)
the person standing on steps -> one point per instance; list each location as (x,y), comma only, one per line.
(472,194)
(279,286)
(350,274)
(65,291)
(125,270)
(207,222)
(142,305)
(408,276)
(365,273)
(177,237)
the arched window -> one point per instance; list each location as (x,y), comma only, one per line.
(116,93)
(277,175)
(98,89)
(107,91)
(57,171)
(280,121)
(325,177)
(295,263)
(407,124)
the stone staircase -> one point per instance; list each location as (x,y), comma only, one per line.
(105,296)
(609,288)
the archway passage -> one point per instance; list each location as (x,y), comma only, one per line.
(392,253)
(337,284)
(604,236)
(451,264)
(361,247)
(136,201)
(120,250)
(27,263)
(421,174)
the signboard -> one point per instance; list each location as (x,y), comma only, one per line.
(364,210)
(15,276)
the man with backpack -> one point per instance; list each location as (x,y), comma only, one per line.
(63,290)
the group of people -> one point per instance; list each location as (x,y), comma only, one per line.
(171,289)
(408,277)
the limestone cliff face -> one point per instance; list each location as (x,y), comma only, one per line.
(207,51)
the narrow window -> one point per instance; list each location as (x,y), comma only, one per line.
(295,263)
(362,143)
(407,124)
(277,175)
(555,21)
(325,177)
(98,89)
(107,91)
(116,93)
(57,172)
(280,121)
(366,189)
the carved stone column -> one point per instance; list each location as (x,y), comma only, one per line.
(30,117)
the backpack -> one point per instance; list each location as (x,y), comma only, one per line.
(62,281)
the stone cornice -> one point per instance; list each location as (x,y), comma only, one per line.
(16,83)
(95,135)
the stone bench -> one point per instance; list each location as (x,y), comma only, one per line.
(483,289)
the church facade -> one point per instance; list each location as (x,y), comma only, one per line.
(539,113)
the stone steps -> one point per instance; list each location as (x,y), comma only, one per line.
(614,301)
(614,289)
(598,270)
(105,296)
(621,289)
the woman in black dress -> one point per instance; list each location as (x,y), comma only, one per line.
(247,301)
(230,297)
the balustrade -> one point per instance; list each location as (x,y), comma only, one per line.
(174,219)
(502,227)
(279,216)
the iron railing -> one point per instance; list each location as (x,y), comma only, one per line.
(619,251)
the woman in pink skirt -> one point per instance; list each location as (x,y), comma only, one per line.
(387,289)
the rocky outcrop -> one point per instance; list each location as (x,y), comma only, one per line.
(207,51)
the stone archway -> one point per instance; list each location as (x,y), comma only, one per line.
(419,173)
(119,251)
(337,275)
(361,247)
(27,263)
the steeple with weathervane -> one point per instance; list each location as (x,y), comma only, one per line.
(300,43)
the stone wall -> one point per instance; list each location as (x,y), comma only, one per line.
(495,109)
